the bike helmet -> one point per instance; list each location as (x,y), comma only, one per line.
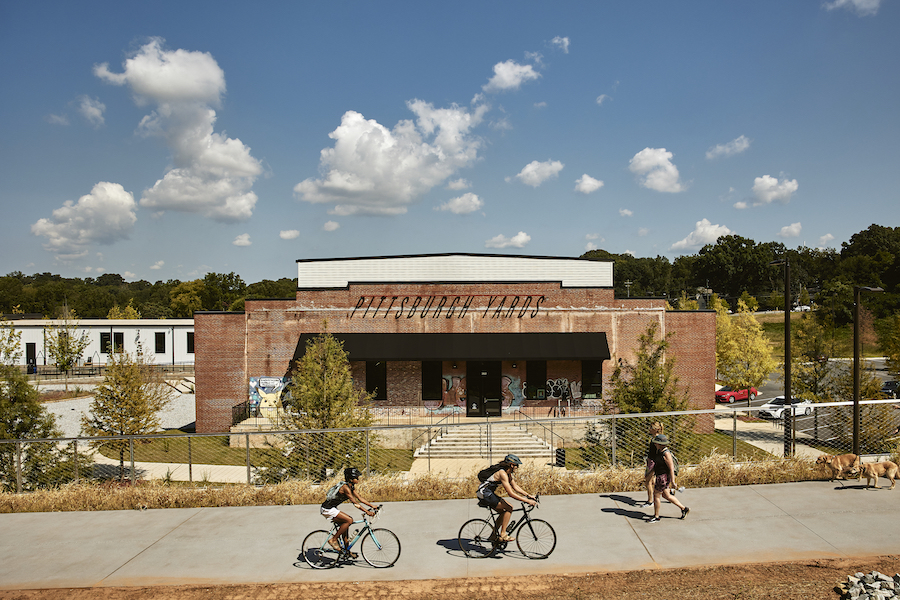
(351,473)
(512,459)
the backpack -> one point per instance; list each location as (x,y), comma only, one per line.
(485,474)
(674,461)
(332,493)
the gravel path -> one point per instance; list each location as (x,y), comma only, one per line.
(68,413)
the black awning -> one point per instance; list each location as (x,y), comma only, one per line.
(469,346)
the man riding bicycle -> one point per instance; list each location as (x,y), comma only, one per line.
(346,490)
(502,475)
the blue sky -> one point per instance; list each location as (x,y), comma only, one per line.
(166,140)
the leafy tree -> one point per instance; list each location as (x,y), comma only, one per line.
(220,291)
(186,298)
(129,312)
(735,263)
(876,421)
(322,397)
(23,417)
(743,356)
(649,384)
(685,303)
(127,402)
(749,301)
(889,339)
(64,346)
(10,344)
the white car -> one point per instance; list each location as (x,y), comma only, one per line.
(774,408)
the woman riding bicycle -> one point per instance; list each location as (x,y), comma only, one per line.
(329,510)
(503,475)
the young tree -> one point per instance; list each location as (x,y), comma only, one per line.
(322,396)
(10,344)
(129,312)
(649,384)
(64,346)
(876,421)
(811,364)
(127,402)
(890,345)
(23,417)
(743,356)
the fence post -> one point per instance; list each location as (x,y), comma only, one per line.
(428,441)
(734,435)
(18,467)
(786,414)
(190,463)
(131,454)
(75,457)
(614,427)
(247,441)
(368,470)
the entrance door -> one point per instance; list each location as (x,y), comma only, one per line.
(482,387)
(31,357)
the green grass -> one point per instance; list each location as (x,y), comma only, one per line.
(840,340)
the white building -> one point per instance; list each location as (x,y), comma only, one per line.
(166,341)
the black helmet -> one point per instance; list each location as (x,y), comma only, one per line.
(351,473)
(512,459)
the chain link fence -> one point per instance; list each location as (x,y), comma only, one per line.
(576,443)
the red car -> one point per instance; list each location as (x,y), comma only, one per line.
(726,394)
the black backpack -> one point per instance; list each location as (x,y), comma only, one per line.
(485,474)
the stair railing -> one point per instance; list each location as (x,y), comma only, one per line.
(524,421)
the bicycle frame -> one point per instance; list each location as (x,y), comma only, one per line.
(360,533)
(525,510)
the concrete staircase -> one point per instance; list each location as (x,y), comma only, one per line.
(472,442)
(185,385)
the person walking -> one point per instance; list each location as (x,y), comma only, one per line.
(655,429)
(664,471)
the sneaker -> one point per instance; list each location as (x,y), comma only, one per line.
(645,505)
(685,511)
(654,520)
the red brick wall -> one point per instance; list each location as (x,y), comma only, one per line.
(271,329)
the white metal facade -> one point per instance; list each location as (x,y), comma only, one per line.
(456,268)
(133,332)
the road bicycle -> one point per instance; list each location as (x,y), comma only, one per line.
(379,547)
(535,538)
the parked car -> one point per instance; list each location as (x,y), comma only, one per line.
(774,408)
(891,389)
(726,394)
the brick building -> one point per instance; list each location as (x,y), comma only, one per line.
(484,332)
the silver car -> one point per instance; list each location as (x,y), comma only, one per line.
(774,408)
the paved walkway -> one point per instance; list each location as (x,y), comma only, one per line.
(728,525)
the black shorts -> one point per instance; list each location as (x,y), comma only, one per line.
(490,498)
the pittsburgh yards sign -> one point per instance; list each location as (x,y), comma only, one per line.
(447,306)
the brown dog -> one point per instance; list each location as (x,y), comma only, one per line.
(872,471)
(839,464)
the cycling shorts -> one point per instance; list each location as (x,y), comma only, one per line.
(490,498)
(330,513)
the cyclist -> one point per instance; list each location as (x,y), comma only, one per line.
(346,490)
(503,475)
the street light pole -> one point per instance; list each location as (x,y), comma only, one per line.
(856,293)
(788,408)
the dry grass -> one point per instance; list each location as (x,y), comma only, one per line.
(713,471)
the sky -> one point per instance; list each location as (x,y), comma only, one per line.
(168,140)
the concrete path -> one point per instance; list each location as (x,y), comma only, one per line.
(729,525)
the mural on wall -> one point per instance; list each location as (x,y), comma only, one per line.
(454,390)
(563,390)
(265,394)
(512,391)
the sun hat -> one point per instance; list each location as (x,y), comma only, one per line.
(661,439)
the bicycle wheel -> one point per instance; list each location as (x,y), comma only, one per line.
(536,538)
(317,552)
(380,548)
(473,539)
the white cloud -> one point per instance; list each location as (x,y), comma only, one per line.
(92,110)
(540,105)
(104,216)
(509,75)
(826,240)
(587,184)
(462,205)
(769,189)
(331,226)
(459,184)
(129,275)
(501,124)
(735,146)
(643,232)
(501,241)
(57,119)
(740,205)
(289,234)
(211,173)
(655,169)
(704,233)
(593,236)
(790,231)
(242,240)
(590,246)
(562,43)
(864,8)
(157,265)
(601,99)
(535,173)
(624,212)
(374,170)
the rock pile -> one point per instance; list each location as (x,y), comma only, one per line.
(873,586)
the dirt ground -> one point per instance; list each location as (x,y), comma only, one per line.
(785,581)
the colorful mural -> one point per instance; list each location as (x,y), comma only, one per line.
(265,394)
